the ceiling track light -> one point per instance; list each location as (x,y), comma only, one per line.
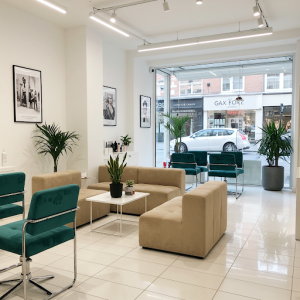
(113,17)
(256,10)
(199,1)
(105,23)
(207,39)
(54,5)
(166,6)
(260,22)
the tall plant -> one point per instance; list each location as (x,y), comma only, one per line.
(115,169)
(178,127)
(51,140)
(274,143)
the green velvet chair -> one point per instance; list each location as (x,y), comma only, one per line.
(186,161)
(201,160)
(224,165)
(12,191)
(50,210)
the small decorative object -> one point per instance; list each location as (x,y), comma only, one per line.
(274,145)
(164,164)
(126,140)
(145,112)
(119,147)
(114,146)
(129,189)
(51,140)
(109,106)
(27,95)
(115,171)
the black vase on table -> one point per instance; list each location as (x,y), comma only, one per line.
(116,190)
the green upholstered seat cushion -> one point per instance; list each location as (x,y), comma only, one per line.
(10,210)
(49,202)
(193,171)
(9,184)
(11,238)
(225,173)
(238,157)
(200,157)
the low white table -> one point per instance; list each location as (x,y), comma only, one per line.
(106,198)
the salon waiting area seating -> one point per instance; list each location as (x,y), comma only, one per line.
(11,192)
(50,210)
(187,162)
(227,165)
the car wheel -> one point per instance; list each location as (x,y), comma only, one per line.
(181,149)
(229,147)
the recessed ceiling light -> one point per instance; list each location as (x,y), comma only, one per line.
(54,5)
(199,1)
(113,17)
(166,6)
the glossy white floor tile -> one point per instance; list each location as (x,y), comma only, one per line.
(256,259)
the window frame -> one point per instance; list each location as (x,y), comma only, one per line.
(192,87)
(281,84)
(232,90)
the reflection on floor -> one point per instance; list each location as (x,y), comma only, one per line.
(257,258)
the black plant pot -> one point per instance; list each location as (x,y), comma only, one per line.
(116,190)
(273,178)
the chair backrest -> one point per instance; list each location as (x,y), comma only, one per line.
(222,160)
(201,157)
(50,202)
(238,158)
(183,161)
(9,184)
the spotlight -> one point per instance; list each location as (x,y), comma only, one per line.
(199,1)
(166,6)
(256,11)
(260,22)
(113,17)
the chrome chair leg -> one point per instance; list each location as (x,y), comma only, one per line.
(12,289)
(7,281)
(42,277)
(40,287)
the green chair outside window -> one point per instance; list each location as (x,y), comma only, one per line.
(50,210)
(201,160)
(224,165)
(187,162)
(12,191)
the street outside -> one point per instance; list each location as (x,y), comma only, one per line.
(249,154)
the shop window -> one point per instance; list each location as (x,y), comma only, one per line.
(233,84)
(191,87)
(279,82)
(273,81)
(288,81)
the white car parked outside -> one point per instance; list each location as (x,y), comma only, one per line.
(214,139)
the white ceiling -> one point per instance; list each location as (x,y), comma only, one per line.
(185,17)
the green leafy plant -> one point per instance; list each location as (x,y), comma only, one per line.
(274,144)
(51,140)
(178,127)
(115,169)
(129,182)
(126,140)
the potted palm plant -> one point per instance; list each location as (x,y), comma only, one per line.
(274,145)
(177,127)
(51,140)
(115,170)
(126,141)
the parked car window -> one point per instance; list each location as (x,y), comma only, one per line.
(230,132)
(203,133)
(219,132)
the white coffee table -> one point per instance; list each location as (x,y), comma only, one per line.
(106,198)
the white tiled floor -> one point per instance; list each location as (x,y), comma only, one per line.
(257,258)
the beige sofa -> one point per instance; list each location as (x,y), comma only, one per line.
(47,181)
(190,225)
(162,185)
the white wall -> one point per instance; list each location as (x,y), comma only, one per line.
(115,75)
(30,42)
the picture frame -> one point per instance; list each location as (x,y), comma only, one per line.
(27,91)
(109,106)
(145,111)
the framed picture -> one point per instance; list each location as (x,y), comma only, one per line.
(145,111)
(109,106)
(27,95)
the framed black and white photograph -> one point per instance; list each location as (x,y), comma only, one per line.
(27,95)
(145,111)
(109,106)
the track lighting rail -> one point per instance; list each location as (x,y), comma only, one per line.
(262,14)
(123,5)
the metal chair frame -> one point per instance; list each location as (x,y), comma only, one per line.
(25,263)
(237,195)
(183,169)
(23,201)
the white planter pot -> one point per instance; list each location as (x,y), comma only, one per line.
(129,190)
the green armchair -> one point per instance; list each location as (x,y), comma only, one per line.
(11,192)
(225,165)
(201,159)
(50,210)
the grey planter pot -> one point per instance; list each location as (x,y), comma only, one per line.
(273,178)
